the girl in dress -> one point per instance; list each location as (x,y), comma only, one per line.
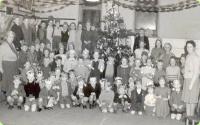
(135,72)
(176,104)
(66,91)
(157,51)
(172,71)
(109,73)
(162,97)
(147,74)
(150,101)
(106,98)
(123,70)
(70,62)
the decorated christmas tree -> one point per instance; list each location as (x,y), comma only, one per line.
(114,34)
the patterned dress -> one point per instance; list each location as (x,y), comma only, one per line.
(162,106)
(123,72)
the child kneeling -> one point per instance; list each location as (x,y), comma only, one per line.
(16,95)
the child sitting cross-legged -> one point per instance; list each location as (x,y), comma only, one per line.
(16,94)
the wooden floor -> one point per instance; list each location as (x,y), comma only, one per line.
(77,116)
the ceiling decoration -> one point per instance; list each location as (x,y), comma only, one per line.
(46,6)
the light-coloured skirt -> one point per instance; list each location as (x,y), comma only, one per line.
(190,96)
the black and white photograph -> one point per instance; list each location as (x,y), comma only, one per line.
(99,62)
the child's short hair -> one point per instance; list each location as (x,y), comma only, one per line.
(58,58)
(162,77)
(150,86)
(71,71)
(144,53)
(160,61)
(138,81)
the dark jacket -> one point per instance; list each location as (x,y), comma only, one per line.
(88,89)
(18,36)
(32,89)
(137,100)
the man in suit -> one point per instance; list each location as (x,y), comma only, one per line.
(141,37)
(19,36)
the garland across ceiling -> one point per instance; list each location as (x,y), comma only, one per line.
(34,5)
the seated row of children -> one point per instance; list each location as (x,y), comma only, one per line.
(68,90)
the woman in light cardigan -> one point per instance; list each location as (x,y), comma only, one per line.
(8,61)
(191,78)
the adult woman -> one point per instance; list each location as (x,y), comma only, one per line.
(8,61)
(191,81)
(157,51)
(72,34)
(165,57)
(78,42)
(50,32)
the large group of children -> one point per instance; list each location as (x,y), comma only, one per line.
(142,83)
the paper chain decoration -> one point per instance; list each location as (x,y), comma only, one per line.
(141,5)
